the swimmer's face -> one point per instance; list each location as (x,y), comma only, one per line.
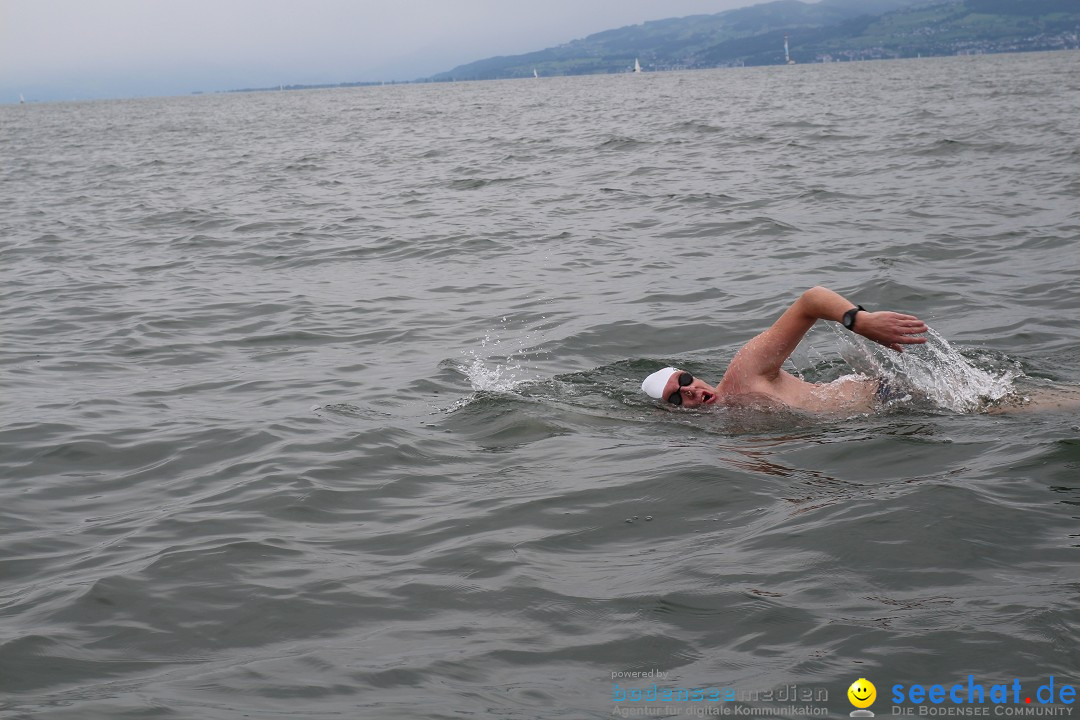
(685,390)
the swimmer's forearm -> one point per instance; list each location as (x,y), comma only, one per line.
(821,303)
(764,354)
(886,328)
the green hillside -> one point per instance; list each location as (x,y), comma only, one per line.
(829,30)
(970,26)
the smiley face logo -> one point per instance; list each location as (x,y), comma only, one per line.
(862,693)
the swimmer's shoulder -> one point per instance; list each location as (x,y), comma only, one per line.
(755,400)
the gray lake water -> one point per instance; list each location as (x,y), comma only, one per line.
(326,404)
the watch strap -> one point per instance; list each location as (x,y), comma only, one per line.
(849,317)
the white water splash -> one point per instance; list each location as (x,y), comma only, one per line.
(488,369)
(935,371)
(499,378)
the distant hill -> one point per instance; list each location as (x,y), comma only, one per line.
(828,30)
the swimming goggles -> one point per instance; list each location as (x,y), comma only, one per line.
(685,379)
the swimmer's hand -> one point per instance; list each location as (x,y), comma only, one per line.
(890,329)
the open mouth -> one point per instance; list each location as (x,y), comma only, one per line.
(707,398)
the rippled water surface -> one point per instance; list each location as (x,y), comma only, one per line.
(325,404)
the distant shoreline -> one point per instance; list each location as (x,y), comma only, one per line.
(429,81)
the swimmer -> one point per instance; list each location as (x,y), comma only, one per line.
(755,375)
(755,378)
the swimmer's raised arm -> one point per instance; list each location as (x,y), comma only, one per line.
(764,355)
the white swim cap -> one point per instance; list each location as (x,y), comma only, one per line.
(655,383)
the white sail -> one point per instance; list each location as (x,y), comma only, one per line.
(535,74)
(637,66)
(22,100)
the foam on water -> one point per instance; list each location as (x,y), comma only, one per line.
(935,372)
(490,370)
(496,378)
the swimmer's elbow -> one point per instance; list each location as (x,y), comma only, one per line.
(810,302)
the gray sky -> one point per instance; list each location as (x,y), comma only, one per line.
(64,49)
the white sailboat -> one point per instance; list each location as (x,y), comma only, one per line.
(637,66)
(22,100)
(535,74)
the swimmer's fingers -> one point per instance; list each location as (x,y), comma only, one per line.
(897,346)
(900,319)
(913,330)
(909,323)
(908,334)
(891,329)
(913,327)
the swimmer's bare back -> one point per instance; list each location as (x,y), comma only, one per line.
(1058,399)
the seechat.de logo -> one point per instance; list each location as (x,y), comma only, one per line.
(862,694)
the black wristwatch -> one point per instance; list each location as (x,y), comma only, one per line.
(849,317)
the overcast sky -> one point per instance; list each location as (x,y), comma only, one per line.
(64,49)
